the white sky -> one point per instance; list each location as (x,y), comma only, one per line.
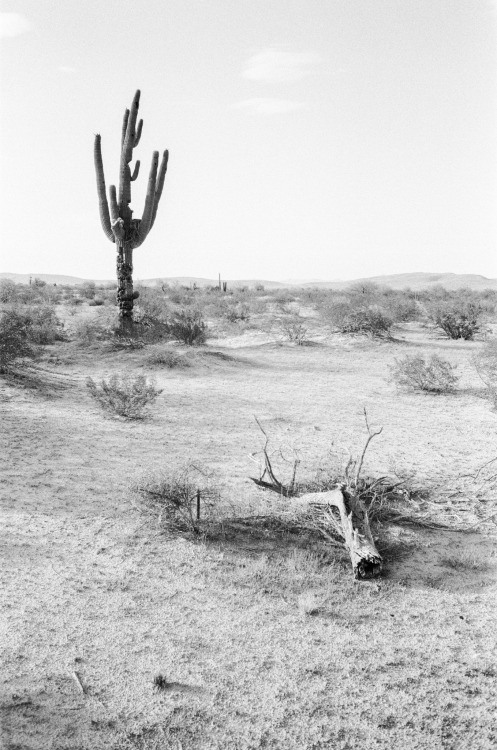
(316,139)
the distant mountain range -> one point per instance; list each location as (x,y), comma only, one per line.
(395,281)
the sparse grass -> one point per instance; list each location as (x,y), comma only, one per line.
(168,358)
(465,562)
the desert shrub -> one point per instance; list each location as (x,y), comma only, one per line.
(485,363)
(401,308)
(8,291)
(100,328)
(168,358)
(435,375)
(124,395)
(45,327)
(348,317)
(181,295)
(14,338)
(294,331)
(237,312)
(173,496)
(28,294)
(458,319)
(149,328)
(188,327)
(154,303)
(96,302)
(88,289)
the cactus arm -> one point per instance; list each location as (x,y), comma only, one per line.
(114,207)
(135,171)
(138,134)
(117,224)
(102,198)
(126,156)
(129,139)
(160,185)
(125,125)
(146,221)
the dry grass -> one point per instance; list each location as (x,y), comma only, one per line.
(262,638)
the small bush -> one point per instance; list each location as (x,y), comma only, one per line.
(348,317)
(14,338)
(188,327)
(295,332)
(173,496)
(44,325)
(458,320)
(8,291)
(97,302)
(435,375)
(236,313)
(88,289)
(401,308)
(485,363)
(100,328)
(124,395)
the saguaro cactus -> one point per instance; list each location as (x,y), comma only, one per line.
(118,224)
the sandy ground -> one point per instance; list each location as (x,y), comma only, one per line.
(91,586)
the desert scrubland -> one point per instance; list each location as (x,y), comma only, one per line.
(127,627)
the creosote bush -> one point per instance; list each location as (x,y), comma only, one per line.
(295,332)
(172,496)
(485,363)
(355,317)
(124,395)
(15,329)
(457,319)
(434,375)
(188,327)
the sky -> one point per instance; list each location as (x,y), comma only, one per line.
(308,139)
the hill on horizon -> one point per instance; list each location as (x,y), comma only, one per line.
(416,280)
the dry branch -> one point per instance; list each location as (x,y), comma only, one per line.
(354,526)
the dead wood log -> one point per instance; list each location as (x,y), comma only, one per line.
(354,526)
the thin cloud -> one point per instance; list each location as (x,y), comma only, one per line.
(277,66)
(13,24)
(269,106)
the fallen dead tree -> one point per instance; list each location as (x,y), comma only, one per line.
(339,511)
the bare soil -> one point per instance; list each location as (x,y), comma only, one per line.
(263,643)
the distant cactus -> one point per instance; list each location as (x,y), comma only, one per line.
(118,224)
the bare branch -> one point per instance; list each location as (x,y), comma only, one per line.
(370,437)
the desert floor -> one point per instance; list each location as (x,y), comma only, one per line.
(264,642)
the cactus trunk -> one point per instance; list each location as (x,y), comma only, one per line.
(116,215)
(124,267)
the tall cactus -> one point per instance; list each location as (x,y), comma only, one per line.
(118,224)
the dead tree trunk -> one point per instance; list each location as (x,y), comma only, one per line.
(354,522)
